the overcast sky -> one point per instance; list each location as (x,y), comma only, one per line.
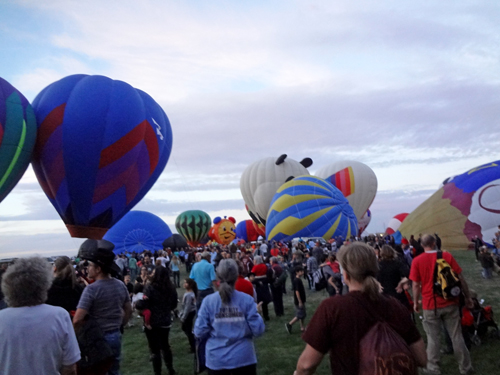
(412,89)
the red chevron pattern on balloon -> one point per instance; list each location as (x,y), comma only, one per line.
(50,134)
(134,172)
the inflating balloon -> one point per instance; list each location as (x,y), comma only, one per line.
(355,180)
(364,221)
(193,225)
(465,206)
(101,146)
(175,242)
(17,136)
(395,223)
(260,181)
(223,231)
(309,206)
(138,231)
(246,230)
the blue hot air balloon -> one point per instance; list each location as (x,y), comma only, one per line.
(101,146)
(138,231)
(17,136)
(309,206)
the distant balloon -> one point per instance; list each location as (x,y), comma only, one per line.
(355,180)
(138,231)
(223,231)
(175,242)
(101,146)
(465,206)
(363,223)
(260,180)
(193,225)
(17,136)
(309,206)
(246,230)
(394,223)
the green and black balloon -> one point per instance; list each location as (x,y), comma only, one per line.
(193,225)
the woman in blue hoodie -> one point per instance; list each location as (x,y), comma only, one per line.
(229,321)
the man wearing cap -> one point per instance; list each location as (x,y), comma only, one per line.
(204,274)
(107,299)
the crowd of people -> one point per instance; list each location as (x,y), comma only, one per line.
(86,302)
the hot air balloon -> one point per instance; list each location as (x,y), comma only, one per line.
(246,230)
(309,206)
(223,231)
(465,206)
(260,180)
(395,223)
(363,223)
(101,146)
(355,180)
(138,231)
(193,225)
(175,242)
(17,136)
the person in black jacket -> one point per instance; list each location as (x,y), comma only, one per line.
(65,290)
(161,300)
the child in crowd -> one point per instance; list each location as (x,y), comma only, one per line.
(299,299)
(189,311)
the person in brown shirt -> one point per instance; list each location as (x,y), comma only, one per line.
(340,322)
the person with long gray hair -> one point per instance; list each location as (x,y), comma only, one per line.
(228,320)
(36,338)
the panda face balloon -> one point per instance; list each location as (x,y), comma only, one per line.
(260,181)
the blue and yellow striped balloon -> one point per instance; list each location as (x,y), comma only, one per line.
(309,206)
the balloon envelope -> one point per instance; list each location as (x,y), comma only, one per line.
(395,223)
(260,180)
(223,231)
(17,136)
(465,206)
(138,231)
(193,225)
(246,230)
(175,242)
(364,221)
(355,180)
(101,146)
(309,206)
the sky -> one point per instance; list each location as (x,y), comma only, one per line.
(411,89)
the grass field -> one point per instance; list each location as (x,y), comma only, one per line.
(277,351)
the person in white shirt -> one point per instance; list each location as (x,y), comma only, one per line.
(27,346)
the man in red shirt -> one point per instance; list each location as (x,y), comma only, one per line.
(437,310)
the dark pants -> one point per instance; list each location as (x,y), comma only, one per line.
(159,346)
(188,266)
(202,294)
(177,278)
(246,370)
(278,300)
(187,328)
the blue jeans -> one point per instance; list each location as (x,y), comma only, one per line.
(114,339)
(202,294)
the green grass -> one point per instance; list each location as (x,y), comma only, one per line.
(277,351)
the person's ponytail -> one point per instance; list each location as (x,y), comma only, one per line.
(228,273)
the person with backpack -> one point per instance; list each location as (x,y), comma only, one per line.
(351,327)
(437,279)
